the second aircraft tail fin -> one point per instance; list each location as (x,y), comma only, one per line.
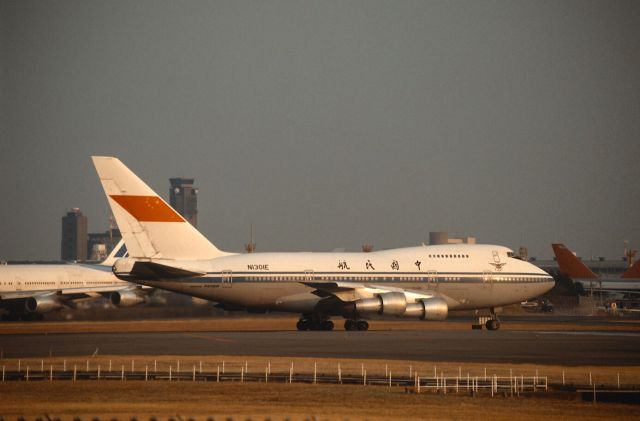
(633,271)
(149,226)
(570,265)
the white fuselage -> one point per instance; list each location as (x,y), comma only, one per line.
(466,276)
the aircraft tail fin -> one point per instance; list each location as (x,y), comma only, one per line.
(633,271)
(570,265)
(149,226)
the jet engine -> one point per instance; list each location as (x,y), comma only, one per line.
(434,308)
(125,298)
(42,304)
(389,303)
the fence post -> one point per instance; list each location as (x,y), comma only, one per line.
(194,373)
(155,366)
(266,374)
(87,366)
(315,372)
(241,374)
(146,373)
(339,373)
(169,372)
(122,373)
(364,378)
(74,372)
(50,372)
(41,365)
(109,366)
(218,375)
(618,380)
(2,374)
(132,367)
(27,373)
(200,366)
(291,374)
(64,365)
(418,383)
(222,367)
(19,366)
(98,371)
(563,377)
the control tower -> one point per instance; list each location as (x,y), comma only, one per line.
(183,197)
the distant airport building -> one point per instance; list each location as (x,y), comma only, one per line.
(183,197)
(74,236)
(442,237)
(100,244)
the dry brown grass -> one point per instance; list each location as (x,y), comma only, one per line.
(259,401)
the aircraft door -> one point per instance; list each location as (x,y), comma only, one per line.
(487,279)
(227,278)
(432,279)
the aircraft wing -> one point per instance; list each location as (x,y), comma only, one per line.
(352,291)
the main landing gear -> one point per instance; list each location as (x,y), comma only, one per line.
(351,324)
(313,323)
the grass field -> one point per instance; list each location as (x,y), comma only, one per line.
(109,400)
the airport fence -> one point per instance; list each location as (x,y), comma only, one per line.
(237,372)
(416,377)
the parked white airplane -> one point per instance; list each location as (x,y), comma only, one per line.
(570,265)
(423,282)
(28,291)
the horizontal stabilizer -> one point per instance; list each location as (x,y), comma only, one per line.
(127,269)
(570,265)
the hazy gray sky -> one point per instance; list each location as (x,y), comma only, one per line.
(329,123)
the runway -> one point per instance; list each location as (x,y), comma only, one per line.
(599,347)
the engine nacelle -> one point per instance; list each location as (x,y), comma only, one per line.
(125,298)
(428,309)
(42,304)
(390,303)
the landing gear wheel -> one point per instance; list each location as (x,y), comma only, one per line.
(304,324)
(492,324)
(350,324)
(362,325)
(326,325)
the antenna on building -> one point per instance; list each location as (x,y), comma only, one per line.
(628,253)
(251,247)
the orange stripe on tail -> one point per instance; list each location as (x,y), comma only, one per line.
(569,264)
(148,208)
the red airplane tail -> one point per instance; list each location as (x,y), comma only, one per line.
(570,265)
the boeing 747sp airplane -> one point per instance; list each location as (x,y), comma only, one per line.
(29,291)
(423,282)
